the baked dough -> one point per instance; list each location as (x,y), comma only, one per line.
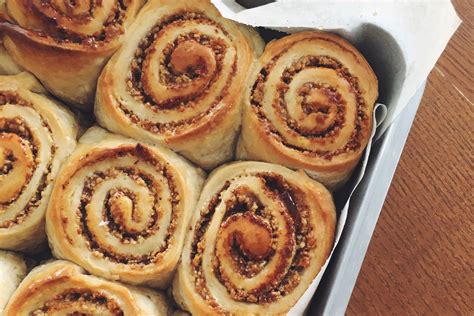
(66,43)
(63,288)
(260,235)
(36,135)
(121,209)
(309,105)
(178,80)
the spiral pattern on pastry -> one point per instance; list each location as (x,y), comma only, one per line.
(63,288)
(309,106)
(36,135)
(260,235)
(121,209)
(66,43)
(178,79)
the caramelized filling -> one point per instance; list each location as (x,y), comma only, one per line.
(251,240)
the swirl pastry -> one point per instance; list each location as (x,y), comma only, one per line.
(259,237)
(36,135)
(66,43)
(177,80)
(309,106)
(62,288)
(121,209)
(12,270)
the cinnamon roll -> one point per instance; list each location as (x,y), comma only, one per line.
(260,235)
(36,135)
(177,80)
(66,43)
(12,270)
(62,288)
(121,209)
(309,105)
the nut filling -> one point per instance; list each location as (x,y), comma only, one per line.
(17,131)
(313,97)
(191,62)
(80,300)
(121,205)
(254,235)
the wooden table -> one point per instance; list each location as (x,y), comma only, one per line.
(421,257)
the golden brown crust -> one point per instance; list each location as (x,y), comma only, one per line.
(121,208)
(68,54)
(260,235)
(192,107)
(62,287)
(36,135)
(309,105)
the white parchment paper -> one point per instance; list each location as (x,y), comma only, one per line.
(300,307)
(402,41)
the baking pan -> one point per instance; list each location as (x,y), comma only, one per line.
(335,289)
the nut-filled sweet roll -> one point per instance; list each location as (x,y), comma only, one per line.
(36,135)
(260,235)
(121,208)
(309,105)
(66,43)
(63,288)
(178,80)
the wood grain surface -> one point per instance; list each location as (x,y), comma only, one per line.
(421,258)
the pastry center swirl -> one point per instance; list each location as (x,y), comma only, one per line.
(317,110)
(249,234)
(263,239)
(128,207)
(310,103)
(180,72)
(125,210)
(74,7)
(192,58)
